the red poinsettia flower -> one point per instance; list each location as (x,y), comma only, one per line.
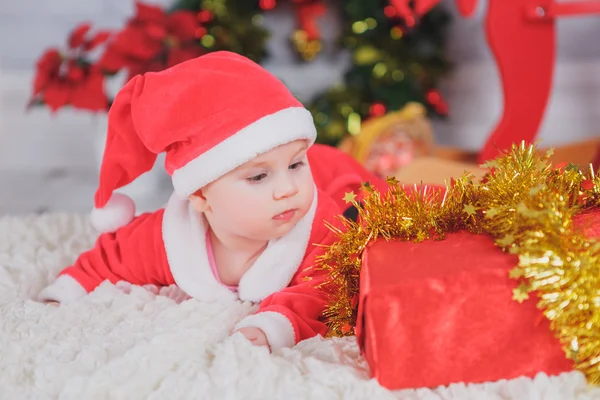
(154,40)
(69,79)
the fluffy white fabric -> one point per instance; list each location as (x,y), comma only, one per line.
(141,346)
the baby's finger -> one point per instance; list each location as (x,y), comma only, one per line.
(124,286)
(151,288)
(182,296)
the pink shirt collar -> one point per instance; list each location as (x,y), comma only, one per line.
(213,264)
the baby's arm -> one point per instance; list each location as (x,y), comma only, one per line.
(294,313)
(133,253)
(291,315)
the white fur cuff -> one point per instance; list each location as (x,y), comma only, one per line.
(277,328)
(64,290)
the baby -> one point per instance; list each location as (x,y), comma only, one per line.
(245,220)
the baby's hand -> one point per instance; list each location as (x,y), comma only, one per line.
(173,292)
(126,287)
(256,336)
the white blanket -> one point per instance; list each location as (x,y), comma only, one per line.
(112,345)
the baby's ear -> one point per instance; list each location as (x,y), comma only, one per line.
(198,201)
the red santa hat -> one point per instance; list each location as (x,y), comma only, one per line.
(209,115)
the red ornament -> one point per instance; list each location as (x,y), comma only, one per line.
(442,108)
(402,10)
(422,7)
(435,99)
(306,15)
(377,110)
(200,32)
(267,4)
(205,16)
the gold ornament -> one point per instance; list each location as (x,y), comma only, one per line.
(527,207)
(386,143)
(307,49)
(349,197)
(521,293)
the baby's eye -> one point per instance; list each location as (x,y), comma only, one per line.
(297,165)
(257,178)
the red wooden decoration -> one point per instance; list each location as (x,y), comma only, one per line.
(522,36)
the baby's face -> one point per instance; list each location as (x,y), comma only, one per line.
(264,198)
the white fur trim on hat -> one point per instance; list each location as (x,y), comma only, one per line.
(118,212)
(273,130)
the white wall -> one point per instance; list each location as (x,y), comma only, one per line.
(27,27)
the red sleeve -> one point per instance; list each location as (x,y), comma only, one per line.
(134,253)
(337,173)
(296,312)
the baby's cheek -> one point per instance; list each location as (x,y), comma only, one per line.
(250,217)
(308,197)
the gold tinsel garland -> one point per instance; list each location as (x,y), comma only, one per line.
(527,207)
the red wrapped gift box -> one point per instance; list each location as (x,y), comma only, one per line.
(438,312)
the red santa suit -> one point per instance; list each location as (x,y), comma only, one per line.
(167,247)
(249,112)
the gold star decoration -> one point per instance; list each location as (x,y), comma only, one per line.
(541,165)
(506,240)
(491,213)
(391,180)
(526,211)
(535,190)
(470,209)
(349,197)
(572,167)
(490,164)
(516,273)
(520,293)
(421,236)
(367,189)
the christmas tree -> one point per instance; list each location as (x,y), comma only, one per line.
(397,56)
(397,49)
